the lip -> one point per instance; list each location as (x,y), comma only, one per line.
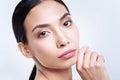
(68,54)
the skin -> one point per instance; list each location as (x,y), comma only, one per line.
(90,65)
(50,32)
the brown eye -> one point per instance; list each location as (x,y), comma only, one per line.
(43,34)
(67,23)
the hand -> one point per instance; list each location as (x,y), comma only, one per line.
(90,65)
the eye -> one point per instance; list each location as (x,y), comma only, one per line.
(43,34)
(67,23)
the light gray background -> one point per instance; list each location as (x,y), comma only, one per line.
(99,25)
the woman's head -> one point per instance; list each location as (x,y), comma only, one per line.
(19,15)
(45,31)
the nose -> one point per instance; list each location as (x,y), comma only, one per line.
(62,41)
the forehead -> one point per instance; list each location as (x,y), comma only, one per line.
(45,12)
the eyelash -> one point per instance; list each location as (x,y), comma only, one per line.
(68,24)
(43,34)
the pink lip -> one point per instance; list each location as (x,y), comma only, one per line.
(67,54)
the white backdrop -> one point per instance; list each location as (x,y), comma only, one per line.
(99,25)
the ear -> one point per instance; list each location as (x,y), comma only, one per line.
(25,50)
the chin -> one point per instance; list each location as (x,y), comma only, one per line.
(64,64)
(69,63)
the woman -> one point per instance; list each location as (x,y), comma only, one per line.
(46,33)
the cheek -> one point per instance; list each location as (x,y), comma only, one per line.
(44,51)
(74,36)
(44,48)
(74,33)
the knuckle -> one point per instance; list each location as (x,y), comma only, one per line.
(102,58)
(79,68)
(86,67)
(94,53)
(98,65)
(92,65)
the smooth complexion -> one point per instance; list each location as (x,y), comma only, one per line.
(53,43)
(51,32)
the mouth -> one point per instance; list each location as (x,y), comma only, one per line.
(68,54)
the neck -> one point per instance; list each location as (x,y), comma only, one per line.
(50,74)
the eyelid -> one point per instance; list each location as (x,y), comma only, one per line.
(68,18)
(68,24)
(43,36)
(68,21)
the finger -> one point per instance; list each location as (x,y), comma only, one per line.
(100,59)
(86,59)
(86,64)
(93,59)
(83,76)
(80,57)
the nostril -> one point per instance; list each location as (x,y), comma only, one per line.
(62,45)
(68,42)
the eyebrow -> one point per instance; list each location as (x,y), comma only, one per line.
(46,25)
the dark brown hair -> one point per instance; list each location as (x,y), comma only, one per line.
(19,15)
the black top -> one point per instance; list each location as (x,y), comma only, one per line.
(33,73)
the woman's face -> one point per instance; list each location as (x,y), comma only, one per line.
(53,38)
